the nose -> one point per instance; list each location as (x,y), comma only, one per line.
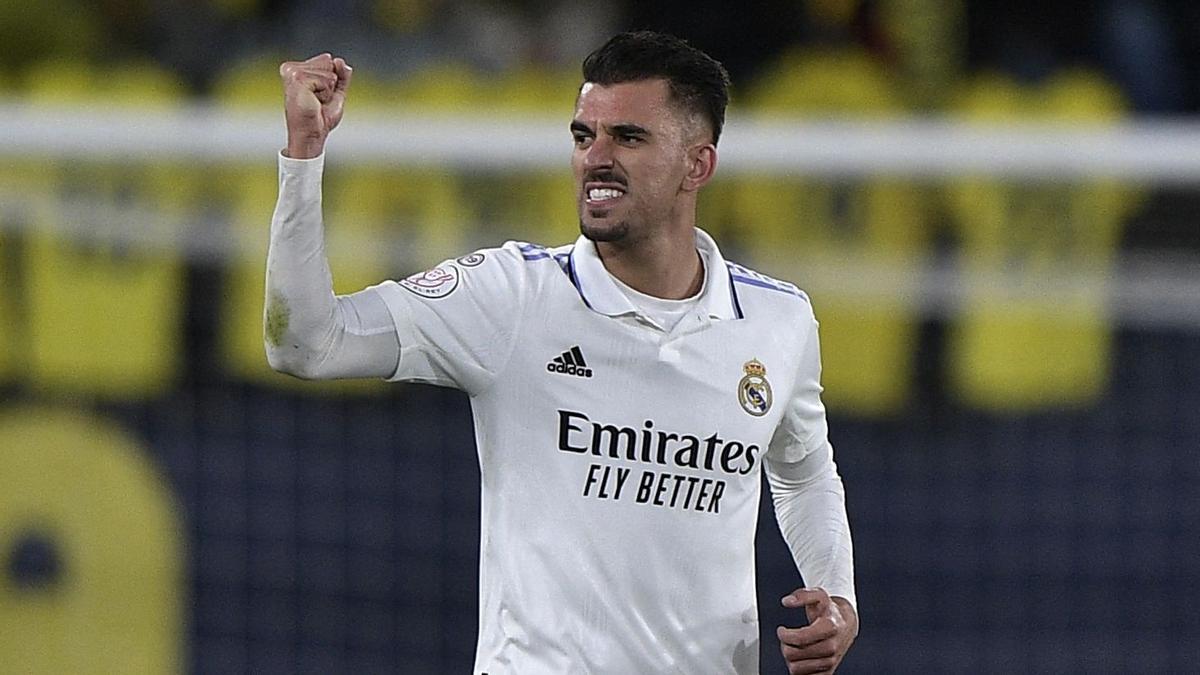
(599,154)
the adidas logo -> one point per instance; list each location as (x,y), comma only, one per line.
(570,362)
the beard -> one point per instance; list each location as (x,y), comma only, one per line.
(618,231)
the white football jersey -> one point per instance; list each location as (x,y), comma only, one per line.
(621,464)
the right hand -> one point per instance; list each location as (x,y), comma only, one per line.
(314,95)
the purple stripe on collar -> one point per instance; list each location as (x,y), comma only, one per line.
(737,306)
(751,281)
(570,269)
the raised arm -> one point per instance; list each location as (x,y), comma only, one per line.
(308,331)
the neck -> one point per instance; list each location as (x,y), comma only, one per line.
(665,267)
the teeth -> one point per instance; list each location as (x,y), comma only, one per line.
(598,194)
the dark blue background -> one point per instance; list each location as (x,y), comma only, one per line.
(341,534)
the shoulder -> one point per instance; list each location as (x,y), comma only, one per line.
(533,253)
(772,297)
(511,257)
(510,269)
(535,263)
(513,267)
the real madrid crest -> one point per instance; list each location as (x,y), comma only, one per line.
(754,392)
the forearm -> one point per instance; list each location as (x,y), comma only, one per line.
(308,332)
(810,506)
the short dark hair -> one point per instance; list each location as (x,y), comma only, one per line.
(696,80)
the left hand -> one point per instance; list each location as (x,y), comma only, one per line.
(820,646)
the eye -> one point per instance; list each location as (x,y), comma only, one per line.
(629,139)
(581,139)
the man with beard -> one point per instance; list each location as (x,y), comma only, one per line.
(628,389)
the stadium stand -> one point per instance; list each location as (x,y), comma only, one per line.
(103,317)
(1021,473)
(535,205)
(806,228)
(1008,350)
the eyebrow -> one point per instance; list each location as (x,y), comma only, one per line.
(628,130)
(623,129)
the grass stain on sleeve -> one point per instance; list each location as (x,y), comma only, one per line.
(278,316)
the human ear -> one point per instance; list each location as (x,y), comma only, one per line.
(702,163)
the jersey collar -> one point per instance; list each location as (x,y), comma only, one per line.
(600,293)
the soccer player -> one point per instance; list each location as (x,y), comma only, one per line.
(628,389)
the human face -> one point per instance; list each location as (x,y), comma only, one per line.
(630,159)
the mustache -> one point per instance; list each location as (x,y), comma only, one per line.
(604,176)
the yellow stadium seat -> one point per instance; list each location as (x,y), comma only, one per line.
(251,83)
(536,204)
(421,212)
(427,208)
(927,44)
(10,325)
(1011,349)
(93,547)
(536,90)
(442,88)
(824,84)
(22,182)
(533,205)
(717,216)
(819,232)
(105,301)
(136,85)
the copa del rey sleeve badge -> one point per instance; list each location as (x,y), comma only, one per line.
(754,392)
(435,283)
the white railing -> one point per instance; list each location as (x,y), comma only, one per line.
(1161,291)
(1162,151)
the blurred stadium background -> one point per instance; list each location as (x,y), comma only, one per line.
(993,204)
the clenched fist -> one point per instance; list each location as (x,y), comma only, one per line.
(314,95)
